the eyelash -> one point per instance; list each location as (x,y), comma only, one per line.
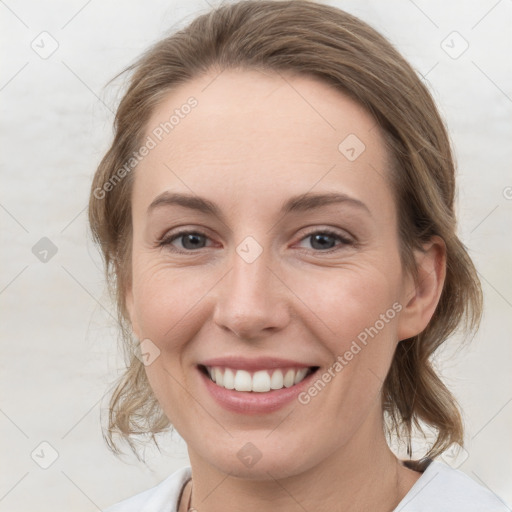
(167,241)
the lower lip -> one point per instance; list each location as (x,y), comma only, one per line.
(251,402)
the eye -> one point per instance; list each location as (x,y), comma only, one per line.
(189,240)
(325,240)
(320,240)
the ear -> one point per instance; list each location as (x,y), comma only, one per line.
(420,296)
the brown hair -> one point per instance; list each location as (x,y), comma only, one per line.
(303,37)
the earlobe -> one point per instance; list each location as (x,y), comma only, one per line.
(421,295)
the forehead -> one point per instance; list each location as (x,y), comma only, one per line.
(261,134)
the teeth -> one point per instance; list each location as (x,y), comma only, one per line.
(300,375)
(228,381)
(276,382)
(289,378)
(261,381)
(243,381)
(218,376)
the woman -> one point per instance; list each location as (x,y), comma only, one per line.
(276,214)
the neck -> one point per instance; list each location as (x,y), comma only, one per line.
(361,475)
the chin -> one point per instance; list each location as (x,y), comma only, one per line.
(260,459)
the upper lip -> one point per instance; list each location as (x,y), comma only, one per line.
(256,363)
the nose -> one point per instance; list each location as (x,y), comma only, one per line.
(252,301)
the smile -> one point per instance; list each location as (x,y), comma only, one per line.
(261,381)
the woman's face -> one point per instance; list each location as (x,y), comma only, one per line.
(275,280)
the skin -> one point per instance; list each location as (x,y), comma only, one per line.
(255,140)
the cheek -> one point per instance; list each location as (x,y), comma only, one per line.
(358,309)
(167,305)
(167,300)
(347,302)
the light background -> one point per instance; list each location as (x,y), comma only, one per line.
(58,337)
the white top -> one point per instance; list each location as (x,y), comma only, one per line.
(440,488)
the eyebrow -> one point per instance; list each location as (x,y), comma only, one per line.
(301,203)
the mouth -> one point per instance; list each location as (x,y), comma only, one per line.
(261,381)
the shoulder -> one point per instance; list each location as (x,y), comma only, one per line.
(444,489)
(160,498)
